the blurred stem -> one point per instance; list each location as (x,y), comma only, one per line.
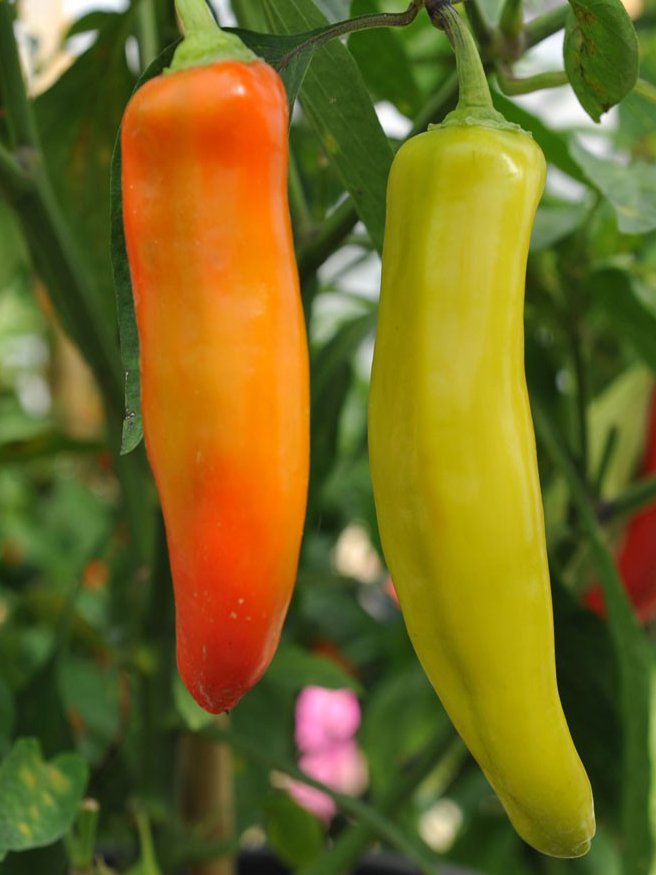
(380,826)
(645,89)
(546,25)
(156,739)
(147,33)
(81,839)
(510,84)
(351,844)
(12,177)
(479,24)
(207,798)
(636,497)
(18,112)
(511,20)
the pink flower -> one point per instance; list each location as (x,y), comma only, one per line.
(324,717)
(341,767)
(326,721)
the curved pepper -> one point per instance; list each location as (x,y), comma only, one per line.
(454,468)
(224,362)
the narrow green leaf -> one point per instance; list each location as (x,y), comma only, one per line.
(339,108)
(393,80)
(555,222)
(630,190)
(601,54)
(38,800)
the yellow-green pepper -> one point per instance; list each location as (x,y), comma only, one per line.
(454,468)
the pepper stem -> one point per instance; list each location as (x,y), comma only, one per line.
(474,91)
(195,15)
(204,42)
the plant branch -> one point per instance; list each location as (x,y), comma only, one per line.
(544,26)
(351,25)
(13,179)
(381,826)
(645,89)
(354,841)
(636,497)
(510,84)
(20,119)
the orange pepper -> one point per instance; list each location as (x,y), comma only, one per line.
(224,361)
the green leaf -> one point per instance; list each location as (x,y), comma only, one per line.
(394,80)
(630,190)
(553,223)
(332,375)
(78,117)
(276,48)
(38,800)
(127,322)
(336,101)
(613,292)
(294,668)
(601,54)
(13,252)
(295,835)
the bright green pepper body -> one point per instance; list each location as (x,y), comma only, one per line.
(454,467)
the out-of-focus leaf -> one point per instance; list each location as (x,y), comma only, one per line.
(337,103)
(553,223)
(13,252)
(601,54)
(406,701)
(90,693)
(622,407)
(38,800)
(613,294)
(631,190)
(296,836)
(78,118)
(193,715)
(295,668)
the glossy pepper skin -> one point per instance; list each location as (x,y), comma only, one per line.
(453,463)
(224,362)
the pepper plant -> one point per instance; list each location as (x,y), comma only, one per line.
(107,764)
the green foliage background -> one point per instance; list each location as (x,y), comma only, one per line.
(88,685)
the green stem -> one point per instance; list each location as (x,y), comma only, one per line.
(479,23)
(13,179)
(379,825)
(351,25)
(18,112)
(81,840)
(510,84)
(195,16)
(511,20)
(147,32)
(546,25)
(636,497)
(347,849)
(645,89)
(474,91)
(204,41)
